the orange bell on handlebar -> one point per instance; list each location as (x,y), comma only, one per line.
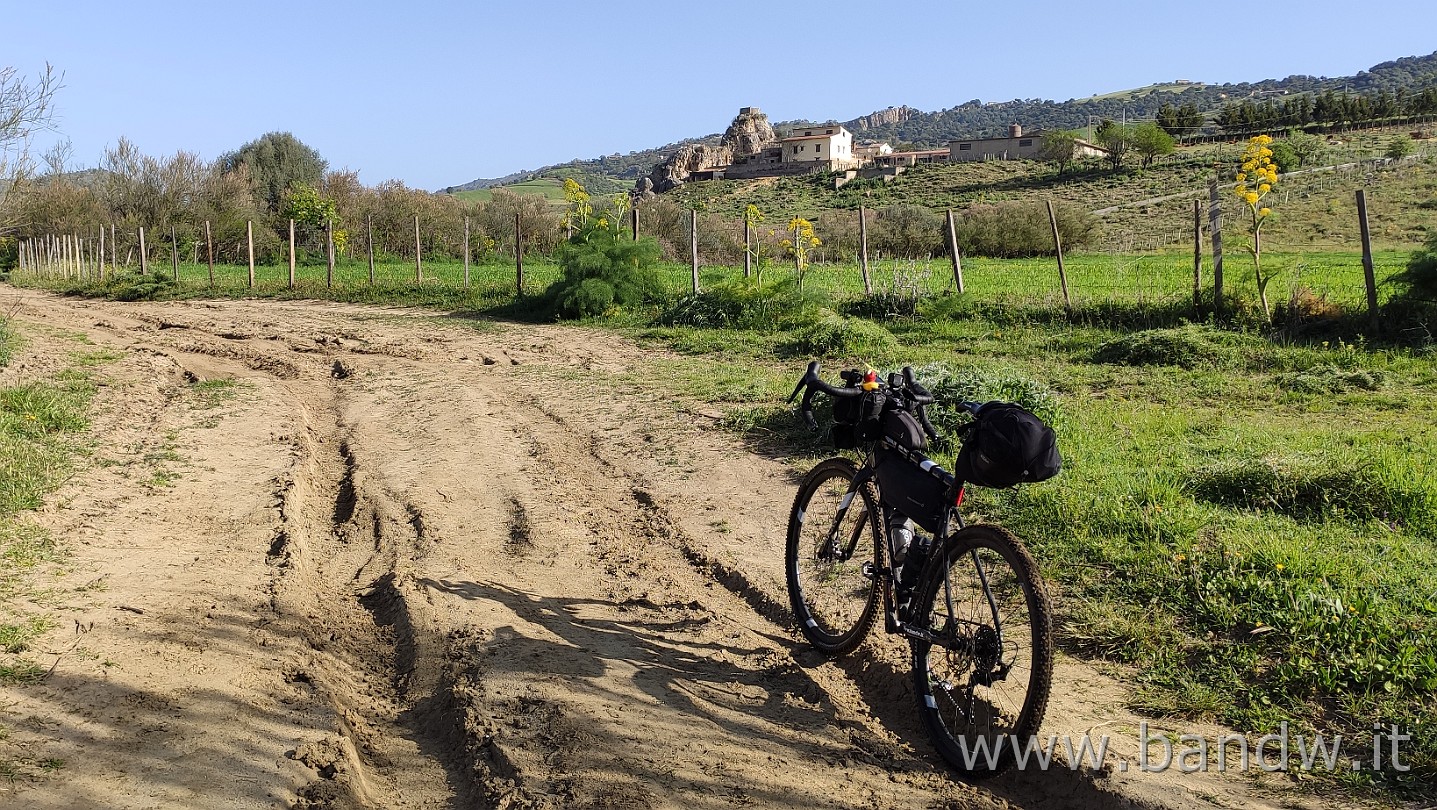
(870,380)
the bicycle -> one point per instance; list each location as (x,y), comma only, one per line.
(968,597)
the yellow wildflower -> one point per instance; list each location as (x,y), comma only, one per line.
(1263,212)
(1251,197)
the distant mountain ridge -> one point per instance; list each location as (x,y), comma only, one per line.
(975,119)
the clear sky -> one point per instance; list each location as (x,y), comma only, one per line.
(437,94)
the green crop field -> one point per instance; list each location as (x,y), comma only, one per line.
(550,189)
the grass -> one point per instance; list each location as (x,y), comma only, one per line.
(1246,524)
(39,424)
(550,189)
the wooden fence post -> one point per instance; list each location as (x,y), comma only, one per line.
(1368,272)
(144,258)
(634,217)
(210,252)
(329,253)
(747,249)
(291,254)
(694,244)
(369,241)
(958,259)
(466,253)
(1197,254)
(101,253)
(114,251)
(518,258)
(249,239)
(175,253)
(863,250)
(1214,219)
(418,259)
(1058,244)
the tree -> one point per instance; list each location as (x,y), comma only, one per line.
(276,161)
(1117,139)
(1255,181)
(1400,147)
(26,107)
(1060,147)
(1307,148)
(1151,141)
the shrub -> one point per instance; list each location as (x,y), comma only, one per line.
(603,269)
(1012,229)
(154,286)
(740,303)
(1420,277)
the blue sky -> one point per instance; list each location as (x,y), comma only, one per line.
(437,94)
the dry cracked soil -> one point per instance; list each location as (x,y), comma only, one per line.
(331,556)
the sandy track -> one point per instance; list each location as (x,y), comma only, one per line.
(420,562)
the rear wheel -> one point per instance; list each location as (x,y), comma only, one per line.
(831,558)
(983,681)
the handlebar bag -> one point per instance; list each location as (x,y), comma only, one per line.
(858,419)
(1006,446)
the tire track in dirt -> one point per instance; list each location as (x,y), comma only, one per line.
(485,599)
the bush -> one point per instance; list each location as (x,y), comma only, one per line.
(1420,277)
(155,286)
(604,269)
(1189,346)
(741,303)
(1014,230)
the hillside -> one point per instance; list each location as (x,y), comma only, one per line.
(972,119)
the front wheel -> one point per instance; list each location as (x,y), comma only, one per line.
(831,559)
(985,670)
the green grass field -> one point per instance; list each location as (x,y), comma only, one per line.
(548,188)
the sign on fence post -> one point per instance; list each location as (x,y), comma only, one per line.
(958,260)
(1214,218)
(1368,272)
(1058,244)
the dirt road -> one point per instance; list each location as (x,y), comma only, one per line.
(414,561)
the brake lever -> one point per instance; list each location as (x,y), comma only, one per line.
(807,409)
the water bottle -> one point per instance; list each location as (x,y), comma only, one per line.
(913,565)
(901,533)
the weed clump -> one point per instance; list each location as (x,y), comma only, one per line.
(1330,379)
(833,335)
(741,303)
(1188,346)
(153,287)
(603,270)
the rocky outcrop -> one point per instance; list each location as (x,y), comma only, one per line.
(690,158)
(882,118)
(749,134)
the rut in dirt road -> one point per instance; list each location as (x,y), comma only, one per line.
(484,592)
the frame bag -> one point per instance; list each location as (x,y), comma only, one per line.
(1007,445)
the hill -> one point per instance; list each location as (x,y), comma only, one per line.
(975,119)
